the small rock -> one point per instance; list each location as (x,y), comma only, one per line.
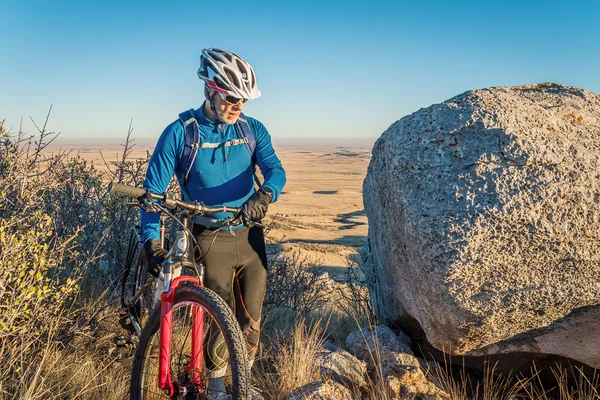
(328,390)
(368,342)
(342,366)
(409,382)
(382,349)
(391,361)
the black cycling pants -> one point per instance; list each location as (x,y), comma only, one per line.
(236,269)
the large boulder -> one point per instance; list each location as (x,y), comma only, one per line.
(484,222)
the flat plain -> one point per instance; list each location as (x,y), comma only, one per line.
(320,214)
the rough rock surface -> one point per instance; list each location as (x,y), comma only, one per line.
(409,382)
(342,366)
(328,390)
(484,221)
(392,361)
(368,343)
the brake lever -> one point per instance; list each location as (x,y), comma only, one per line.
(232,221)
(146,203)
(240,217)
(148,208)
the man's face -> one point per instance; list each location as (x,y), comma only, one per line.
(228,109)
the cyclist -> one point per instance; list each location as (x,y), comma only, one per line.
(222,173)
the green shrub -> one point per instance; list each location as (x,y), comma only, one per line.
(57,222)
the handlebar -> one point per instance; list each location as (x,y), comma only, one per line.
(169,201)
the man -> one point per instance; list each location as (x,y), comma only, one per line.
(222,173)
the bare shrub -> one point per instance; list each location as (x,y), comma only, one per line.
(295,290)
(354,300)
(54,226)
(353,308)
(40,266)
(117,217)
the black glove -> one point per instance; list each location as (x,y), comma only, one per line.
(256,207)
(155,255)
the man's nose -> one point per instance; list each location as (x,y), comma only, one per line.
(239,106)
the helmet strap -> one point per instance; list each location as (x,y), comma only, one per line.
(211,103)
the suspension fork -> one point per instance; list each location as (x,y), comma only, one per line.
(162,229)
(197,312)
(165,381)
(197,343)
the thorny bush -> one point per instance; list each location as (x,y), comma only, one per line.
(296,289)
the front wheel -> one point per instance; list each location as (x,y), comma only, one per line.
(217,316)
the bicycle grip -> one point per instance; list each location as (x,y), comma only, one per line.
(125,189)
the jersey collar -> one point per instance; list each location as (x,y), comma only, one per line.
(202,119)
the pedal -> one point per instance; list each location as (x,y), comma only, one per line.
(124,341)
(120,341)
(125,322)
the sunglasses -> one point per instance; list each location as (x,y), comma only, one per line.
(231,100)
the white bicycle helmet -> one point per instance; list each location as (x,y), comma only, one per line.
(228,73)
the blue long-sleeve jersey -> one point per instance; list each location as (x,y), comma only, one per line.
(219,176)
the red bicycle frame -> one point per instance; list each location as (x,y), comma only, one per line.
(166,326)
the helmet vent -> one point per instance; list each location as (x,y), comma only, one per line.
(232,76)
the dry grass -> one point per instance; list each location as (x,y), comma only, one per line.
(63,374)
(463,387)
(81,363)
(569,384)
(291,361)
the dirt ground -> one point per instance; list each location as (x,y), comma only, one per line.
(320,214)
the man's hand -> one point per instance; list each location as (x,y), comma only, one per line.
(256,207)
(155,255)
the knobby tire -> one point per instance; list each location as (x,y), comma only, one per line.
(134,280)
(224,318)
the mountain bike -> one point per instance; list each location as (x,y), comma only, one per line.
(168,362)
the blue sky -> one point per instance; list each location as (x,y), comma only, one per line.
(338,72)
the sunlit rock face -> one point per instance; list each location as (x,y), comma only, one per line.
(484,222)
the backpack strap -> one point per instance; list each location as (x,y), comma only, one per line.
(192,141)
(244,132)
